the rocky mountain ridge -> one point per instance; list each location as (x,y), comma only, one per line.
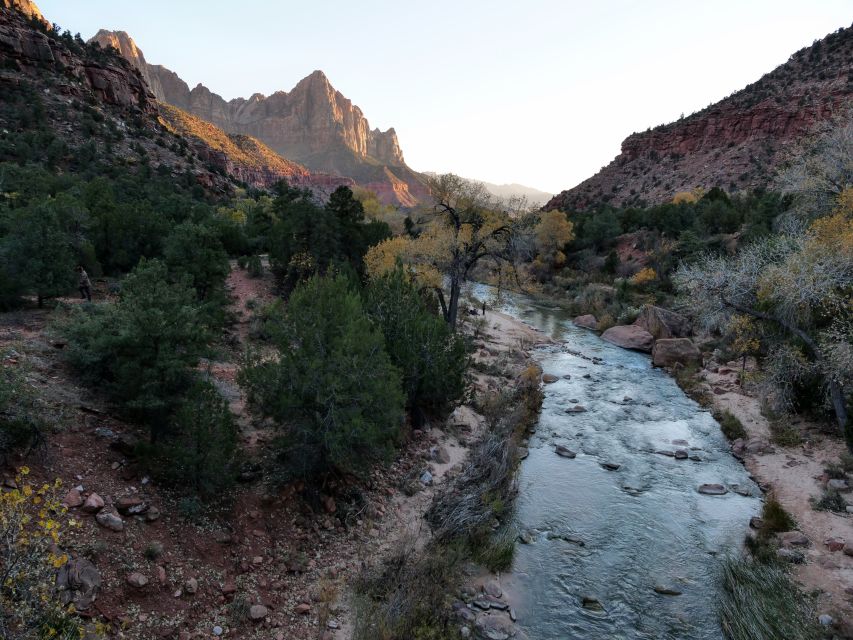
(313,124)
(736,143)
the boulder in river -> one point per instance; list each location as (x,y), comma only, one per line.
(713,489)
(549,378)
(587,321)
(663,323)
(669,351)
(564,452)
(630,336)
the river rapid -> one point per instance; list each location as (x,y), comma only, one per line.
(598,543)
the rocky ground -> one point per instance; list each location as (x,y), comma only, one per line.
(796,477)
(259,564)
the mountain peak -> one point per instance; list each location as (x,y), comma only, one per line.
(123,43)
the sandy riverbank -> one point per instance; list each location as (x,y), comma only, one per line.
(795,477)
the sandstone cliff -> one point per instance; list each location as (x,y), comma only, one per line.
(243,157)
(735,144)
(26,7)
(22,45)
(84,99)
(313,124)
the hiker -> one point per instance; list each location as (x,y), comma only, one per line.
(84,285)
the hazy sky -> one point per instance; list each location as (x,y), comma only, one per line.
(540,92)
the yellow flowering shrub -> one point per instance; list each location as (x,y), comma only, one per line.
(644,276)
(30,532)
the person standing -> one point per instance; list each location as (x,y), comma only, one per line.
(84,284)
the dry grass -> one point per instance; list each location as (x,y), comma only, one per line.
(759,601)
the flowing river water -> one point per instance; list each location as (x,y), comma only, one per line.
(610,537)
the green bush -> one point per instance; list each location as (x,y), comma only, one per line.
(332,388)
(730,425)
(141,350)
(254,266)
(775,519)
(196,454)
(20,421)
(195,250)
(430,356)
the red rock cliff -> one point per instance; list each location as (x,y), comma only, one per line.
(735,144)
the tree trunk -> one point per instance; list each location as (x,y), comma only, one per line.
(453,309)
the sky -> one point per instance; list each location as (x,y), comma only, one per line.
(539,92)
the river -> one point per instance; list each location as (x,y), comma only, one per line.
(613,536)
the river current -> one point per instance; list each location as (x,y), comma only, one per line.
(599,542)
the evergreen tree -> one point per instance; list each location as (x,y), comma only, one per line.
(332,388)
(142,349)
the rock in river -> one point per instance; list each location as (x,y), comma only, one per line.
(713,489)
(564,452)
(629,337)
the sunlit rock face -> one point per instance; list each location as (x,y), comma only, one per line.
(312,124)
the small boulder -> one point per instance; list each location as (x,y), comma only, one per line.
(666,591)
(492,588)
(835,544)
(663,323)
(426,478)
(611,466)
(93,503)
(681,454)
(629,337)
(136,580)
(667,352)
(72,499)
(838,484)
(78,582)
(191,586)
(131,505)
(549,378)
(303,609)
(110,521)
(587,321)
(793,539)
(258,612)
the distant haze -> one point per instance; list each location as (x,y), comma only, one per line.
(539,93)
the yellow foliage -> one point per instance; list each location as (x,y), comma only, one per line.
(30,523)
(644,276)
(553,232)
(845,203)
(688,197)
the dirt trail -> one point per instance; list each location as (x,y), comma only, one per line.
(796,475)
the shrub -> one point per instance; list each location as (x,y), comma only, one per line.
(20,417)
(196,454)
(32,524)
(430,356)
(254,266)
(730,425)
(140,350)
(831,500)
(332,388)
(775,519)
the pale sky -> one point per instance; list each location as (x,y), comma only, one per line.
(540,92)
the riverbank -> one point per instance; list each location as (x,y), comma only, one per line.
(796,477)
(409,550)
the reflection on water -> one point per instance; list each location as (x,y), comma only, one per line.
(614,536)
